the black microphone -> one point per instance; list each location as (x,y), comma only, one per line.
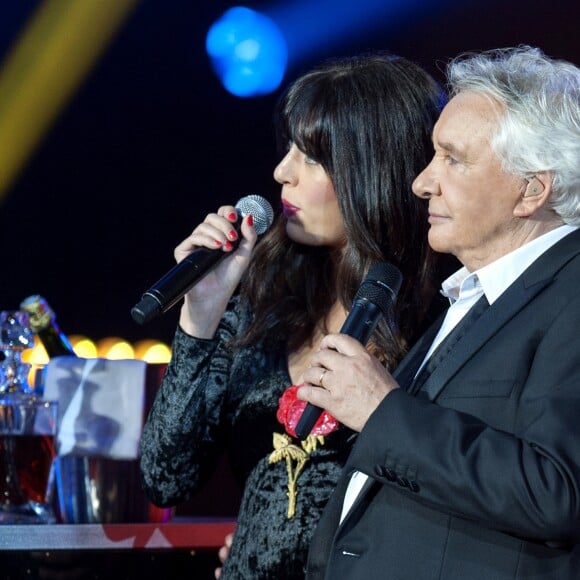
(374,299)
(167,291)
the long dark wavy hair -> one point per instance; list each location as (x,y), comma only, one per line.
(367,120)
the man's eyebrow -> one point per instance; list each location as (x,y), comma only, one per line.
(450,147)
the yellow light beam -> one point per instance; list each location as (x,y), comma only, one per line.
(53,55)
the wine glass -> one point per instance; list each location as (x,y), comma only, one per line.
(15,337)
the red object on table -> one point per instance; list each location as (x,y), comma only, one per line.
(195,535)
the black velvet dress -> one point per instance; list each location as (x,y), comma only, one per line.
(212,399)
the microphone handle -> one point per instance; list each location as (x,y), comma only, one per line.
(362,320)
(307,420)
(360,324)
(167,291)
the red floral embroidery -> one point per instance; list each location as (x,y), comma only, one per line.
(290,410)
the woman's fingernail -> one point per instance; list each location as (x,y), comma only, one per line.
(232,216)
(250,220)
(233,235)
(228,246)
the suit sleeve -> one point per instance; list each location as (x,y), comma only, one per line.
(501,443)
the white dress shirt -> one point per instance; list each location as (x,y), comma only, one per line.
(463,289)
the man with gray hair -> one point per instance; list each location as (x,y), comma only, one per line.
(467,461)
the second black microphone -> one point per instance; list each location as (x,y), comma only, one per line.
(373,300)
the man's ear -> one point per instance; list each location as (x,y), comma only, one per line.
(534,187)
(535,195)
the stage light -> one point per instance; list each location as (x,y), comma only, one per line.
(149,350)
(248,52)
(312,26)
(36,356)
(115,348)
(152,351)
(83,346)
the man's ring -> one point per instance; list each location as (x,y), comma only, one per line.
(321,378)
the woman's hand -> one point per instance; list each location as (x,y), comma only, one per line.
(205,303)
(223,553)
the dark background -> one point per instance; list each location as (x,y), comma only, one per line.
(151,142)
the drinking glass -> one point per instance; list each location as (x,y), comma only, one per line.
(27,451)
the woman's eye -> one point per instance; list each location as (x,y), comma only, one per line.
(310,160)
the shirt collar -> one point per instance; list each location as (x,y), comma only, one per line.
(496,277)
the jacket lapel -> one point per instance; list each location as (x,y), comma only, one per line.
(405,372)
(521,292)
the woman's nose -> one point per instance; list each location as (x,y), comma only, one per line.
(283,172)
(278,173)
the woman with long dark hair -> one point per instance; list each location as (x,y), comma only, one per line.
(355,132)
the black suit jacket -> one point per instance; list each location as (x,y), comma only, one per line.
(478,476)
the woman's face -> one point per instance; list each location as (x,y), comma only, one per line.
(309,201)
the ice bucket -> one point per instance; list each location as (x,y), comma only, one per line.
(102,406)
(100,490)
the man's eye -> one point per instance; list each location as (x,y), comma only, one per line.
(450,160)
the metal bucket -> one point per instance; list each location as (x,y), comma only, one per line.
(100,490)
(94,489)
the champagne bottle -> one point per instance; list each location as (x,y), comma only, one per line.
(43,324)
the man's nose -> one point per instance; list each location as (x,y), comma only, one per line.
(425,185)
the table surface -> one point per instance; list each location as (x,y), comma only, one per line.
(195,534)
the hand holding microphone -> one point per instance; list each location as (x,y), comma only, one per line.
(172,287)
(373,301)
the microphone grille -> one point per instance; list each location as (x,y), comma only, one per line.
(259,208)
(381,286)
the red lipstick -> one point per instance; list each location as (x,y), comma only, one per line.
(288,209)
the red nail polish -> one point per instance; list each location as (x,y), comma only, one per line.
(232,216)
(228,246)
(233,234)
(250,220)
(217,243)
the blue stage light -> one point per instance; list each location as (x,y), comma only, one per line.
(248,52)
(313,26)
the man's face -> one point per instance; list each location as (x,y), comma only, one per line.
(471,199)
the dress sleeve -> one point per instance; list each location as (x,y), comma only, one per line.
(184,432)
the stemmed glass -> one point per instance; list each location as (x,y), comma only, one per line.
(28,427)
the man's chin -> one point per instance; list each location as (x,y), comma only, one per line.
(439,243)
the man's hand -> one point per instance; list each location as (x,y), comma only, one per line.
(345,380)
